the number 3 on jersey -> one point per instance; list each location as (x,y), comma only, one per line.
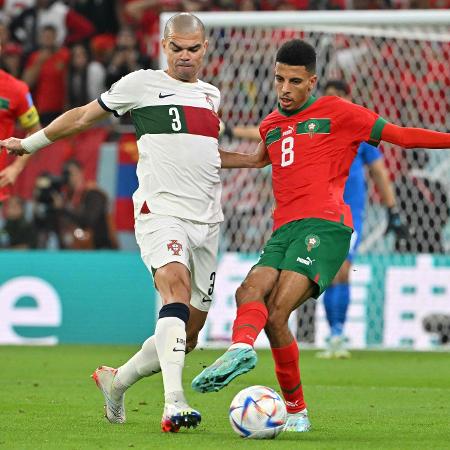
(287,151)
(176,122)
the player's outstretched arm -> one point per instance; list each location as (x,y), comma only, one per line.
(380,176)
(68,124)
(250,133)
(258,159)
(414,137)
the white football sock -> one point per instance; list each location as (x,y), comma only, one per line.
(143,364)
(170,339)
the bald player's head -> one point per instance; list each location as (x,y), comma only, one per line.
(184,45)
(184,24)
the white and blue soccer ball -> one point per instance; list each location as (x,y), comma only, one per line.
(257,412)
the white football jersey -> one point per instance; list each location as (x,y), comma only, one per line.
(177,130)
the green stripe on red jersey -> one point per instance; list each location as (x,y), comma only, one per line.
(375,135)
(4,103)
(314,126)
(273,136)
(171,119)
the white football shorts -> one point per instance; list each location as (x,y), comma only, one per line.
(165,239)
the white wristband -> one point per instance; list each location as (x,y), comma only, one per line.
(35,142)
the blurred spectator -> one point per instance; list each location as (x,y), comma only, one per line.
(17,232)
(231,5)
(126,57)
(193,6)
(292,5)
(4,33)
(86,79)
(45,73)
(102,48)
(13,8)
(137,9)
(70,27)
(12,59)
(84,219)
(143,17)
(245,5)
(371,4)
(101,13)
(424,204)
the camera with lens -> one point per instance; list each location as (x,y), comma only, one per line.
(46,187)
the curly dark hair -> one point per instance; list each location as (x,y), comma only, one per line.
(297,53)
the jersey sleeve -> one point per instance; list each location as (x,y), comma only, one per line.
(216,100)
(269,132)
(369,153)
(123,95)
(24,109)
(262,132)
(366,125)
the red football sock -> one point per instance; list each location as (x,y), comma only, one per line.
(250,319)
(288,373)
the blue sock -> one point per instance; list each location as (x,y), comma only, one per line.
(336,301)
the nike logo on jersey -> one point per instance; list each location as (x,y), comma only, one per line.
(178,349)
(161,95)
(206,300)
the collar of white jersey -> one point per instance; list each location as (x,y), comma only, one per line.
(177,82)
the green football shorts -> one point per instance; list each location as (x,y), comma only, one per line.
(315,248)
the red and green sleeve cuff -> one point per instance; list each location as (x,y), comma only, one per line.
(375,134)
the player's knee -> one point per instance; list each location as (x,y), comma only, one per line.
(173,284)
(247,292)
(277,319)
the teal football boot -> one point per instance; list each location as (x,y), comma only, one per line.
(231,364)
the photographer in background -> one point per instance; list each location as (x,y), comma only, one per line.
(46,205)
(83,216)
(17,232)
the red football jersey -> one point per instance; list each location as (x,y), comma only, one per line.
(16,104)
(311,150)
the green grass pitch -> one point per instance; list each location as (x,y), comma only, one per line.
(376,400)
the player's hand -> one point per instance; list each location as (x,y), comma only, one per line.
(9,175)
(396,225)
(14,146)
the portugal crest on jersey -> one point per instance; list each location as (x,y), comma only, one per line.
(175,247)
(210,102)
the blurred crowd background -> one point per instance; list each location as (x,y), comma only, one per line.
(69,52)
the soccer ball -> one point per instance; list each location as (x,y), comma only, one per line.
(257,412)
